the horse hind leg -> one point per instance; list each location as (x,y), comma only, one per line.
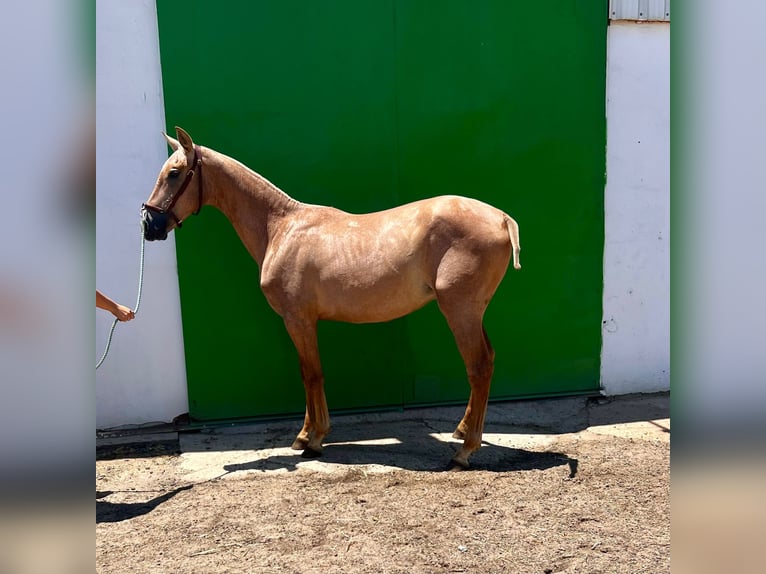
(478,356)
(462,427)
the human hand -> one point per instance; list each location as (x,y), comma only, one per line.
(123,313)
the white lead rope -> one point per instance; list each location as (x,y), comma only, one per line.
(138,301)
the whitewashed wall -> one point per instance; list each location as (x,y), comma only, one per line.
(143,378)
(636,324)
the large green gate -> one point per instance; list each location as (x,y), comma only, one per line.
(368,104)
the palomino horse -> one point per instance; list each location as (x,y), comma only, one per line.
(319,262)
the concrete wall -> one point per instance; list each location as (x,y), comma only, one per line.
(636,325)
(143,378)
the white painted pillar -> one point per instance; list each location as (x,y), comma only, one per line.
(636,323)
(143,378)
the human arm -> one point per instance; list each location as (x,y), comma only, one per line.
(122,312)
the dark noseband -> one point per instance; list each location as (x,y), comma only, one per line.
(196,166)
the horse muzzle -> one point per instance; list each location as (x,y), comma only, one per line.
(155,224)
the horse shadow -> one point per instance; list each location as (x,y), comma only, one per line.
(118,511)
(417,439)
(513,460)
(414,451)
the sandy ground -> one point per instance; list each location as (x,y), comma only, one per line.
(565,485)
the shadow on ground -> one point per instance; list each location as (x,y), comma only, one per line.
(491,458)
(117,511)
(138,449)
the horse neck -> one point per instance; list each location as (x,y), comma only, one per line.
(253,205)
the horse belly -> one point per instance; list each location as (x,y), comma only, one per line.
(365,298)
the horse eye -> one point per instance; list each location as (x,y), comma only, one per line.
(173,173)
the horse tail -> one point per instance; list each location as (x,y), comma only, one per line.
(513,232)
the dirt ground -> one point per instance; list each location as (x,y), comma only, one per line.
(592,500)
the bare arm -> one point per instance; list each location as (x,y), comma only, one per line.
(122,312)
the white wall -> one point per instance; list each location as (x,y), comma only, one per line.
(143,379)
(636,324)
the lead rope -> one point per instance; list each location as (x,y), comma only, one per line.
(138,301)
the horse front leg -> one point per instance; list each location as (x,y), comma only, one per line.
(316,422)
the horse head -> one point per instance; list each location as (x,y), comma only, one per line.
(169,204)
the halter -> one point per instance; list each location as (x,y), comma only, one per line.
(196,163)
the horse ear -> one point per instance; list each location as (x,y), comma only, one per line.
(172,142)
(185,140)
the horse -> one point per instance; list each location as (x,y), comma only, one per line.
(320,263)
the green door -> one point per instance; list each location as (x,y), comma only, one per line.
(366,105)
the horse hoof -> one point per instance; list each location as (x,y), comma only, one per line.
(311,453)
(299,444)
(458,465)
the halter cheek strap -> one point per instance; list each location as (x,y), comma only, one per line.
(196,168)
